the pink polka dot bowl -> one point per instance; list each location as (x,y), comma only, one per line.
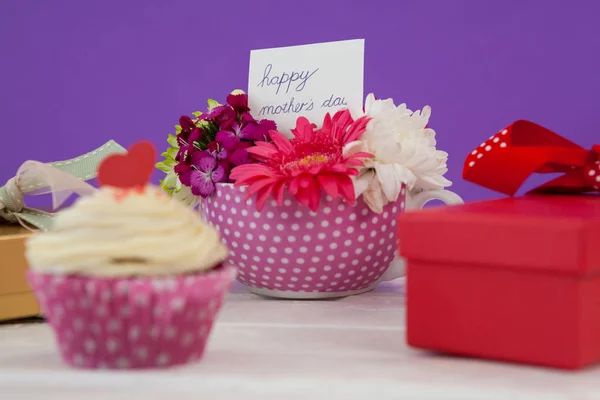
(289,251)
(132,323)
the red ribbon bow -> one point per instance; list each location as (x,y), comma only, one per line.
(508,158)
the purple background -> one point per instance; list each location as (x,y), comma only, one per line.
(74,74)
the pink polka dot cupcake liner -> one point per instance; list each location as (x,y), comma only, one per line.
(284,250)
(132,323)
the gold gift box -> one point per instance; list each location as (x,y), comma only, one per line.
(16,297)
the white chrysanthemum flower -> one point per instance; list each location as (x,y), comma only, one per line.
(185,195)
(404,151)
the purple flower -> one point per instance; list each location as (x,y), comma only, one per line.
(252,131)
(186,124)
(229,139)
(260,130)
(182,169)
(247,117)
(239,157)
(268,125)
(239,102)
(189,134)
(217,150)
(236,130)
(203,173)
(223,116)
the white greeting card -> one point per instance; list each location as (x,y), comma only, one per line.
(309,80)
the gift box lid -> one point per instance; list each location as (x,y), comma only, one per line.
(559,233)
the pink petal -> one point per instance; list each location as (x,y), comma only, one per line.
(329,184)
(357,128)
(315,170)
(305,180)
(303,197)
(342,117)
(293,187)
(346,188)
(249,181)
(259,185)
(341,120)
(282,143)
(314,195)
(357,163)
(278,190)
(362,154)
(338,168)
(326,127)
(262,196)
(263,151)
(304,130)
(243,172)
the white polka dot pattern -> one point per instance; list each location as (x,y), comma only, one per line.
(341,248)
(144,322)
(499,144)
(498,140)
(592,174)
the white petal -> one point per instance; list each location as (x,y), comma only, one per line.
(374,197)
(361,184)
(374,201)
(433,182)
(429,135)
(389,179)
(186,196)
(383,144)
(369,101)
(379,108)
(426,113)
(354,147)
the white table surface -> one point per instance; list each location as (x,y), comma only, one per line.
(345,349)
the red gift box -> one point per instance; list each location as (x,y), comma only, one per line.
(515,279)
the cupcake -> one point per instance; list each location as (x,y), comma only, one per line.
(129,277)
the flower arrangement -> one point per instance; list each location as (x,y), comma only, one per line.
(404,151)
(314,160)
(206,147)
(370,155)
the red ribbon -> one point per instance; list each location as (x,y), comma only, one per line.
(508,158)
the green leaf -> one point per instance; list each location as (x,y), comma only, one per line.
(171,153)
(166,165)
(196,114)
(171,179)
(212,104)
(172,140)
(178,129)
(168,154)
(163,167)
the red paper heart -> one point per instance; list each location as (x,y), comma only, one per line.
(129,170)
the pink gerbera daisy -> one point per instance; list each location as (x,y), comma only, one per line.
(315,160)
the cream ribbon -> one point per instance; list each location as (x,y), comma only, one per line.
(61,179)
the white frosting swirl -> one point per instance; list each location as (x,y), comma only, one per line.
(117,234)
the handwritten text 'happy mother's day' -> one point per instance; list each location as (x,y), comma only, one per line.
(294,82)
